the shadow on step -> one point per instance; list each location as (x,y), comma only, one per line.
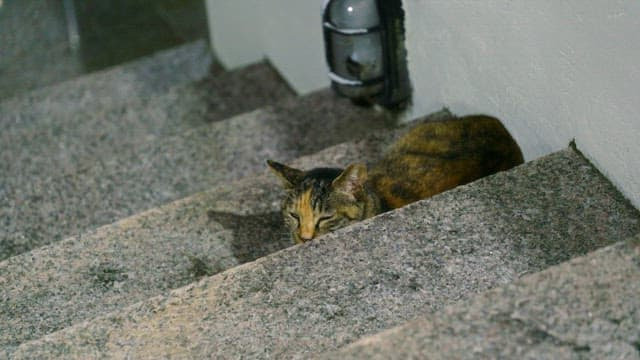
(254,236)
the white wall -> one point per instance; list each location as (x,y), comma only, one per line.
(551,70)
(234,31)
(287,32)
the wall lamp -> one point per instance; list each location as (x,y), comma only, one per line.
(364,45)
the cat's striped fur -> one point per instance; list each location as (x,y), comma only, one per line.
(432,157)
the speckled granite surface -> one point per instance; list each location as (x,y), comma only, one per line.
(74,138)
(117,31)
(144,77)
(34,41)
(369,277)
(147,254)
(588,308)
(36,212)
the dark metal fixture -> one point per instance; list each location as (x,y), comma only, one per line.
(364,44)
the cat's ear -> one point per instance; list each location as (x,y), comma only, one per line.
(289,176)
(351,181)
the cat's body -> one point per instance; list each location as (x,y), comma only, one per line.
(438,156)
(430,158)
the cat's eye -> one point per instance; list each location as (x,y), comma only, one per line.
(326,218)
(294,216)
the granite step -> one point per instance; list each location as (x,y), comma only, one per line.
(587,308)
(145,77)
(164,248)
(358,281)
(38,211)
(64,136)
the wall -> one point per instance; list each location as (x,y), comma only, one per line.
(234,30)
(552,70)
(287,32)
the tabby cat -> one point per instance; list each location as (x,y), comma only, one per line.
(430,158)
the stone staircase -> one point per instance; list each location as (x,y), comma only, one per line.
(138,221)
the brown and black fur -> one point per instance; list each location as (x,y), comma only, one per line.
(438,156)
(431,158)
(324,199)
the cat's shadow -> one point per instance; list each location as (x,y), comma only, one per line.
(254,236)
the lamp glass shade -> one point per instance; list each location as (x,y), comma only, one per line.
(359,92)
(354,14)
(357,57)
(364,50)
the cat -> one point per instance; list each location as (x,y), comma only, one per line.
(430,158)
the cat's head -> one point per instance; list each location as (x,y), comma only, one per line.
(322,199)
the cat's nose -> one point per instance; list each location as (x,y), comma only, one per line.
(306,233)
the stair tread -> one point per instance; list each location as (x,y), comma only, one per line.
(144,77)
(36,212)
(365,278)
(587,306)
(75,137)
